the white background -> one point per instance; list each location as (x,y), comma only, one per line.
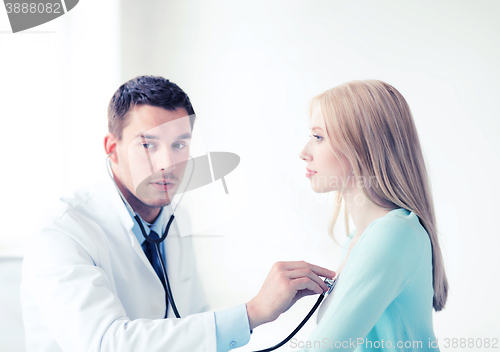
(250,69)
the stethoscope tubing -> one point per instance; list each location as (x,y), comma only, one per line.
(170,296)
(311,312)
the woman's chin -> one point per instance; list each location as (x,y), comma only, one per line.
(319,189)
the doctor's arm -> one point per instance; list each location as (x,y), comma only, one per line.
(83,313)
(285,284)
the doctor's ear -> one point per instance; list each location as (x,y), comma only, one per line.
(110,147)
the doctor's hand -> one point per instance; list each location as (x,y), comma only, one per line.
(285,284)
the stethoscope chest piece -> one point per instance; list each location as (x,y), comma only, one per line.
(331,284)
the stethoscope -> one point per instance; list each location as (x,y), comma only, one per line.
(329,282)
(155,241)
(331,285)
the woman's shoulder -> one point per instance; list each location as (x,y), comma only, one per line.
(399,230)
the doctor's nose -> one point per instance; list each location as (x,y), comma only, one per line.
(164,160)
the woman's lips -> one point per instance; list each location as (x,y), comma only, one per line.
(309,173)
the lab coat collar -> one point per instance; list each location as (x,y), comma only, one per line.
(108,189)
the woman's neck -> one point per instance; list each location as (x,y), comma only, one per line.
(362,210)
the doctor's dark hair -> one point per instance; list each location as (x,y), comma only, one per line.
(145,90)
(370,124)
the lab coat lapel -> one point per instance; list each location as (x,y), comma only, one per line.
(126,222)
(179,282)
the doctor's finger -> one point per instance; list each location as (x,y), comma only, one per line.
(318,270)
(304,283)
(298,273)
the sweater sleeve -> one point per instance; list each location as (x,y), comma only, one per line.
(380,266)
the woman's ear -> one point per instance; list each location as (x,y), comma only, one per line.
(110,147)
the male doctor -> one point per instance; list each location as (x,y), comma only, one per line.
(90,280)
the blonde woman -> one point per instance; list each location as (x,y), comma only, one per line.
(364,145)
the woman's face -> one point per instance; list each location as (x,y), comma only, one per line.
(323,168)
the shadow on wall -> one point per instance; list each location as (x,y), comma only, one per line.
(11,322)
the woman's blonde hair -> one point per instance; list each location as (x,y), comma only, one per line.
(370,124)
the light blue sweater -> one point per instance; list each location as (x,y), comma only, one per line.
(383,297)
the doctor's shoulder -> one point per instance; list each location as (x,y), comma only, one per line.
(70,217)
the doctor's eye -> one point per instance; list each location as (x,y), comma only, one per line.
(179,145)
(147,145)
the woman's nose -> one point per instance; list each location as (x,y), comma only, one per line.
(304,155)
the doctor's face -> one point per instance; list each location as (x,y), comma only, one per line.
(153,153)
(323,168)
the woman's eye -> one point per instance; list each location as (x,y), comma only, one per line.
(147,145)
(318,138)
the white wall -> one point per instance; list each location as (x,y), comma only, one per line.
(250,70)
(56,81)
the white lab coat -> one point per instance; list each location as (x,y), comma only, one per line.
(88,286)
